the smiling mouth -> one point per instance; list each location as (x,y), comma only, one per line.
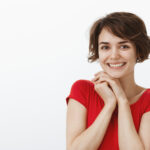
(116,66)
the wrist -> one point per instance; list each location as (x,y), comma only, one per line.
(110,107)
(123,102)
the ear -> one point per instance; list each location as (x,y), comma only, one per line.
(138,59)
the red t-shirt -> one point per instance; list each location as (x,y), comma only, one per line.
(83,92)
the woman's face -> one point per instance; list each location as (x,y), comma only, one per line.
(117,56)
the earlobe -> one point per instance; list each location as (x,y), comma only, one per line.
(138,59)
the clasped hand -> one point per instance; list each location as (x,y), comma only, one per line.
(108,88)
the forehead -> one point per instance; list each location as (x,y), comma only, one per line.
(107,36)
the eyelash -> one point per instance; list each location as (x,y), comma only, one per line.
(104,47)
(125,46)
(107,47)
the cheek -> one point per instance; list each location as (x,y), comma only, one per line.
(102,57)
(101,61)
(130,56)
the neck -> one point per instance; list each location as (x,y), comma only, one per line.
(129,86)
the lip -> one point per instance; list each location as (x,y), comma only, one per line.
(115,63)
(116,67)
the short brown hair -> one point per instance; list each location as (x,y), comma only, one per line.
(124,25)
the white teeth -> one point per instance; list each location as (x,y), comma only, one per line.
(116,65)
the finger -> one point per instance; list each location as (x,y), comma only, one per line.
(104,74)
(98,73)
(95,78)
(108,75)
(101,74)
(102,83)
(112,83)
(105,79)
(100,80)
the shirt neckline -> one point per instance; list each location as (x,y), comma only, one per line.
(140,98)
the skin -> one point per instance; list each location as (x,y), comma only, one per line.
(113,49)
(115,87)
(121,86)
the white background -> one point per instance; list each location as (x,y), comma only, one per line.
(43,50)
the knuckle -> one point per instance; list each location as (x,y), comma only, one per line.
(113,81)
(97,86)
(97,73)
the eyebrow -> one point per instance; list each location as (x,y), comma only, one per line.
(121,42)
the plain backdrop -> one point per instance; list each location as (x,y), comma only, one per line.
(43,50)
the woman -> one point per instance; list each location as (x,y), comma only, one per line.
(112,112)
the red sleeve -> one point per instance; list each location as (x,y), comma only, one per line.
(147,102)
(79,92)
(148,106)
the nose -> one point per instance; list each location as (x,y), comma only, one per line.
(115,53)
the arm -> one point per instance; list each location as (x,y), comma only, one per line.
(128,136)
(144,130)
(80,138)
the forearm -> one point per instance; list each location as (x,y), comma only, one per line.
(92,137)
(128,136)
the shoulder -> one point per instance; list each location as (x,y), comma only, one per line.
(80,91)
(147,94)
(146,101)
(83,86)
(148,91)
(83,83)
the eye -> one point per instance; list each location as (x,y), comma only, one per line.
(124,46)
(104,47)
